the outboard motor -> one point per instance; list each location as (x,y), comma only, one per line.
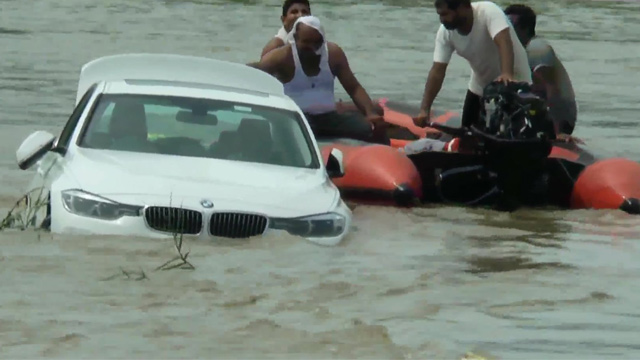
(514,112)
(512,148)
(517,138)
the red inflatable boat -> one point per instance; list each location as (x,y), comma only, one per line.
(383,174)
(375,174)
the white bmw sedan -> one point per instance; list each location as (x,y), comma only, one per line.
(160,145)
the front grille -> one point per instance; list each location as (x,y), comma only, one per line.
(237,225)
(173,220)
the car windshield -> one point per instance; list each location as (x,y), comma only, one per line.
(199,127)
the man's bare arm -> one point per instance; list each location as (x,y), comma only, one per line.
(544,75)
(433,85)
(505,48)
(271,61)
(350,83)
(272,44)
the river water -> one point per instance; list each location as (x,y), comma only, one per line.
(428,283)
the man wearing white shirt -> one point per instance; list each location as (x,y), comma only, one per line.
(291,11)
(481,33)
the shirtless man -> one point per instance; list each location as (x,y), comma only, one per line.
(481,33)
(550,78)
(291,11)
(307,66)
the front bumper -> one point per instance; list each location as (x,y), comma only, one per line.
(205,224)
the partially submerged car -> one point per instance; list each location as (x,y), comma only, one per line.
(160,145)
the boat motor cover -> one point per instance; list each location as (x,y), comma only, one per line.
(513,111)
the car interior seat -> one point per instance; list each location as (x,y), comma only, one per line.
(255,140)
(128,127)
(226,147)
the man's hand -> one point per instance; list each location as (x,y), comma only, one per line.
(422,119)
(376,120)
(379,126)
(568,139)
(505,78)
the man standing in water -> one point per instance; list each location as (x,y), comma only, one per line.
(291,11)
(481,33)
(550,78)
(307,66)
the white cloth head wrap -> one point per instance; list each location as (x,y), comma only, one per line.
(311,21)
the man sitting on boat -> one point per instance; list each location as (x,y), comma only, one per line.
(291,11)
(550,78)
(307,66)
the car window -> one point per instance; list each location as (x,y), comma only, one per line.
(102,125)
(200,128)
(65,135)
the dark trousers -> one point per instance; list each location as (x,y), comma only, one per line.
(351,125)
(472,110)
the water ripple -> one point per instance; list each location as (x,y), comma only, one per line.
(431,282)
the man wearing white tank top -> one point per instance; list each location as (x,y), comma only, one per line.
(481,33)
(291,11)
(307,66)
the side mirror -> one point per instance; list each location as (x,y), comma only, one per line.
(335,165)
(34,147)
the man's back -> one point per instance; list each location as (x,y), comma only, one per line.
(563,102)
(540,53)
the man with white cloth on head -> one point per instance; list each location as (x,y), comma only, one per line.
(307,66)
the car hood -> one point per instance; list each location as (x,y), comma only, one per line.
(150,179)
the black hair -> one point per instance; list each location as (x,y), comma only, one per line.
(452,4)
(526,17)
(289,3)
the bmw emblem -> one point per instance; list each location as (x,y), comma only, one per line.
(206,204)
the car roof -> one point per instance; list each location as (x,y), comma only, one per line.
(197,90)
(171,68)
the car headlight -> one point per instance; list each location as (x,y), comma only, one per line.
(323,225)
(85,204)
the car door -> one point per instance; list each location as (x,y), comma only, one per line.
(64,140)
(52,163)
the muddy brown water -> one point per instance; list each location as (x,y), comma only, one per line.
(429,283)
